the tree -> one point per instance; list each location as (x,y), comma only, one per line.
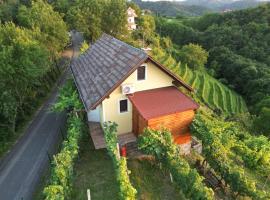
(85,16)
(262,109)
(114,17)
(61,6)
(48,25)
(194,56)
(23,61)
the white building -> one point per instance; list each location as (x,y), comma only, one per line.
(131,19)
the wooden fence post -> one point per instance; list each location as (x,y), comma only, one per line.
(171,177)
(118,150)
(88,194)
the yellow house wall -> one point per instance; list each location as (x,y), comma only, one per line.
(155,78)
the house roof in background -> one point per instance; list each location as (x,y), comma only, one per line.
(162,101)
(105,65)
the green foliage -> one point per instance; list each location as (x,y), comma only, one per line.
(92,17)
(147,26)
(238,44)
(68,99)
(48,25)
(160,144)
(23,63)
(228,150)
(8,10)
(84,47)
(262,110)
(194,56)
(62,6)
(126,190)
(114,19)
(63,162)
(210,91)
(27,52)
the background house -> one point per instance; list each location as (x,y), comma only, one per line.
(131,15)
(120,83)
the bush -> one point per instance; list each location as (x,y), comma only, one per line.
(126,190)
(160,144)
(63,162)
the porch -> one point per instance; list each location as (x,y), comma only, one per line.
(97,136)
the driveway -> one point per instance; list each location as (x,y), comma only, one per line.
(22,169)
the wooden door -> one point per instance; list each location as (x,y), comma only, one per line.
(135,121)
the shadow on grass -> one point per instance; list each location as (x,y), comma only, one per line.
(94,171)
(151,182)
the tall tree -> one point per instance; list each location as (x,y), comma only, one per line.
(47,24)
(23,61)
(85,16)
(115,17)
(194,56)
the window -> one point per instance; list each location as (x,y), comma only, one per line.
(141,73)
(123,105)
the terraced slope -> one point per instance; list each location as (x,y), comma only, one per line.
(212,92)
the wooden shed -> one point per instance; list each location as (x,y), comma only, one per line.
(163,108)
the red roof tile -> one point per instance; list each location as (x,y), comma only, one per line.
(162,101)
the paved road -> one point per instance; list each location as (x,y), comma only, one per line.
(21,170)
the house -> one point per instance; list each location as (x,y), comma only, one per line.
(121,83)
(131,15)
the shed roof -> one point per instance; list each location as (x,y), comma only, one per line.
(162,101)
(105,65)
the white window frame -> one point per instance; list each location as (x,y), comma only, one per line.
(144,65)
(119,111)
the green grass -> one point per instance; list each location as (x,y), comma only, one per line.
(151,182)
(94,171)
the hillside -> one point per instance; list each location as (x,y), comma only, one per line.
(239,47)
(166,8)
(210,91)
(220,5)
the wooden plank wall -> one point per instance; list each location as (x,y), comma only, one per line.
(177,123)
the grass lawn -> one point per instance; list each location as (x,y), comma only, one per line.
(151,182)
(94,171)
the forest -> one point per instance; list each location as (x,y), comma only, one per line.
(238,46)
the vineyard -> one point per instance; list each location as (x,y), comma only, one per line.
(160,145)
(240,159)
(210,91)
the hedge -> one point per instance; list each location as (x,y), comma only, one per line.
(63,162)
(126,190)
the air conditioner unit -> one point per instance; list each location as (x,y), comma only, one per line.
(128,89)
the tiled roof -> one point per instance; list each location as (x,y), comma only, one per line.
(162,101)
(103,66)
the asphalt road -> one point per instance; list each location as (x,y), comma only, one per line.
(22,169)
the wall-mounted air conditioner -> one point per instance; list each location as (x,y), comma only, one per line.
(128,89)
